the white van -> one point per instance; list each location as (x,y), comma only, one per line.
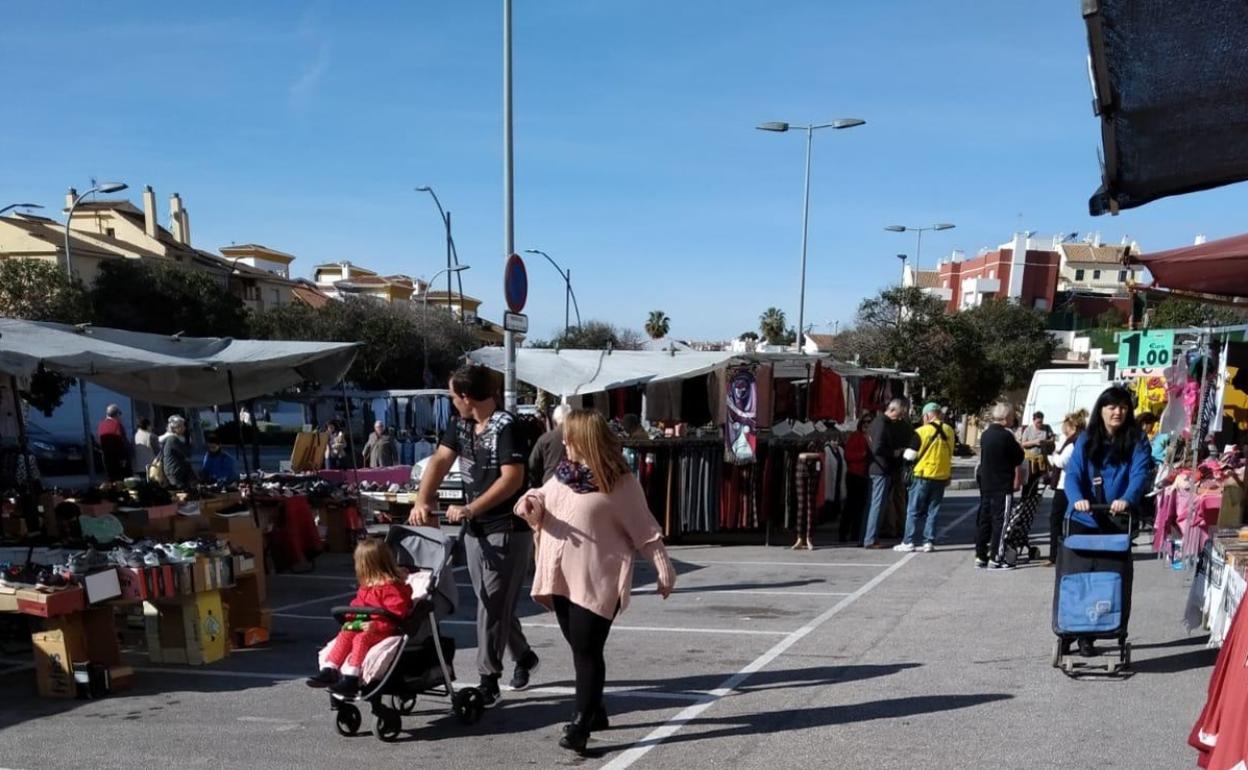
(1058,392)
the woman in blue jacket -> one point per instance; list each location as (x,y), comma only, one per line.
(1111,464)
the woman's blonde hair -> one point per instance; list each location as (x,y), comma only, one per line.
(375,564)
(588,434)
(1076,421)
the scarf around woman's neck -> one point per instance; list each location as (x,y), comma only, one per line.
(576,476)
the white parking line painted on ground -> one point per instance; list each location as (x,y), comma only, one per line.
(226,674)
(729,685)
(297,605)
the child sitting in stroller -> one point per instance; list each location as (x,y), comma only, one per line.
(383,585)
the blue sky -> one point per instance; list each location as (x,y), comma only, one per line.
(306,127)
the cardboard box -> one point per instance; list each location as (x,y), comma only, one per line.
(92,634)
(96,509)
(242,533)
(120,678)
(47,605)
(158,512)
(251,637)
(211,505)
(8,599)
(102,586)
(191,631)
(54,664)
(212,573)
(187,527)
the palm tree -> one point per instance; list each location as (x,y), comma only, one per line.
(772,324)
(658,325)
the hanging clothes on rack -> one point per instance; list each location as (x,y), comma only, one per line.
(827,395)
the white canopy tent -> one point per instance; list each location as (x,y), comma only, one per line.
(169,370)
(578,372)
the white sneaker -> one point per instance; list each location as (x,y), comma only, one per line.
(928,548)
(904,547)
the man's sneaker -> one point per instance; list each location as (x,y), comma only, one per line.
(981,564)
(1000,565)
(489,691)
(525,668)
(928,548)
(904,547)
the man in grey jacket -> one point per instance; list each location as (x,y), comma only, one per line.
(884,458)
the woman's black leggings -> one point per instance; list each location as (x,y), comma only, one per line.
(586,633)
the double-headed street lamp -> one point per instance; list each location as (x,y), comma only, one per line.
(781,127)
(107,187)
(424,311)
(20,206)
(918,251)
(566,275)
(451,252)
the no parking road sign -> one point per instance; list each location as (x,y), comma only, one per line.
(515,284)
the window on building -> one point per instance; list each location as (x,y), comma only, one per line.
(1096,275)
(1079,275)
(946,283)
(992,274)
(277,296)
(111,232)
(251,293)
(1122,276)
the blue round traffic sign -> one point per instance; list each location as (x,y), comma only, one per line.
(515,284)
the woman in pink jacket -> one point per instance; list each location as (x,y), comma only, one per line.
(590,519)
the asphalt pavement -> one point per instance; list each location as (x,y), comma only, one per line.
(764,658)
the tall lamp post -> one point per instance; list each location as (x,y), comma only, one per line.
(424,310)
(451,251)
(781,127)
(918,251)
(566,275)
(20,206)
(900,303)
(107,187)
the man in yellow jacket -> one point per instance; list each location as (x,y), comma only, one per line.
(932,454)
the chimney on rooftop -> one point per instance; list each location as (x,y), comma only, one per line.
(69,198)
(1200,239)
(175,218)
(185,217)
(346,270)
(149,211)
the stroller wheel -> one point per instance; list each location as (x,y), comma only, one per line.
(388,725)
(405,706)
(469,706)
(1124,655)
(348,720)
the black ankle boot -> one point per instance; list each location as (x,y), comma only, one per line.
(347,687)
(597,723)
(575,737)
(325,678)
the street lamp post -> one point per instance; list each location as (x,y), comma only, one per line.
(901,300)
(424,311)
(781,127)
(107,187)
(918,252)
(566,275)
(20,206)
(450,243)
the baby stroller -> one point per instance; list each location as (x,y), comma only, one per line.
(1016,530)
(418,661)
(1092,595)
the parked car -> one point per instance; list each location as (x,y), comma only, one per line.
(58,456)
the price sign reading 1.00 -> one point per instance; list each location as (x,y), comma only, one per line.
(1145,350)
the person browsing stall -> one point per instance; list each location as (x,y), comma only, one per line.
(931,451)
(548,450)
(217,466)
(1111,465)
(592,517)
(381,450)
(114,445)
(498,544)
(175,455)
(999,477)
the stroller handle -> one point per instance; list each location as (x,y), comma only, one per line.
(343,614)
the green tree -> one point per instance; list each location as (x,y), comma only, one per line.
(1179,313)
(773,325)
(751,336)
(1013,338)
(35,290)
(593,335)
(658,325)
(147,296)
(394,338)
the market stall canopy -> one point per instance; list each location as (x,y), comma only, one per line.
(1169,80)
(169,370)
(577,372)
(1215,267)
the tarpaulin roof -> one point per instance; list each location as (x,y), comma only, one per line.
(1169,81)
(573,372)
(173,371)
(1215,267)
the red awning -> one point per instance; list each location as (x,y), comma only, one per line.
(1217,267)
